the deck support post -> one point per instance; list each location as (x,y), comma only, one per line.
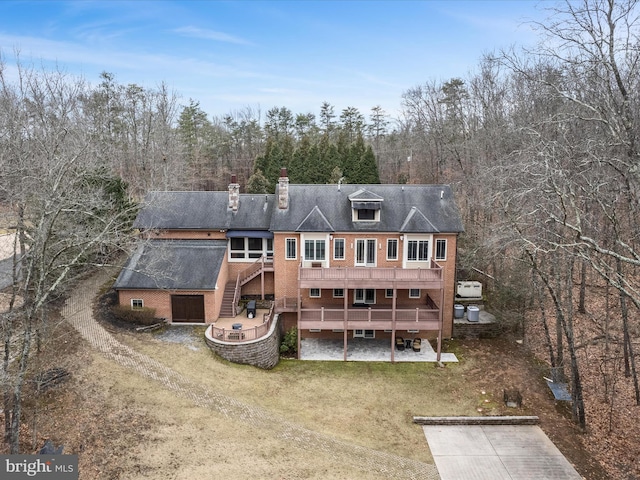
(393,325)
(440,322)
(346,321)
(299,307)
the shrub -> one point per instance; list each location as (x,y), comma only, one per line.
(141,316)
(289,344)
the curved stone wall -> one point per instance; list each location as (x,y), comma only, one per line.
(263,352)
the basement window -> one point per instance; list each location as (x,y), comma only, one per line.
(364,333)
(137,304)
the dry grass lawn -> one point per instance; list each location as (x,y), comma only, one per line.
(152,433)
(370,404)
(125,426)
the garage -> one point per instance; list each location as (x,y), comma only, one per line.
(187,308)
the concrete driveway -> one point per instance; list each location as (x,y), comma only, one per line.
(496,452)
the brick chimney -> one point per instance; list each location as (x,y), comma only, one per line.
(283,190)
(234,193)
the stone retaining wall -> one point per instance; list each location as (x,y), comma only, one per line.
(476,330)
(495,420)
(263,352)
(486,327)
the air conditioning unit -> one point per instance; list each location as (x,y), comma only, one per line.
(469,290)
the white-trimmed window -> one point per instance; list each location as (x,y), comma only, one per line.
(388,293)
(256,247)
(314,293)
(291,248)
(392,249)
(414,293)
(364,333)
(364,295)
(314,249)
(418,250)
(365,215)
(237,247)
(338,248)
(338,293)
(242,248)
(441,249)
(137,303)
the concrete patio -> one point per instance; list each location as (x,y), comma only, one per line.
(367,350)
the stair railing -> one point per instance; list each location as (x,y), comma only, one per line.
(243,275)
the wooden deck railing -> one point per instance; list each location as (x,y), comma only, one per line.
(323,314)
(248,272)
(245,334)
(434,273)
(286,304)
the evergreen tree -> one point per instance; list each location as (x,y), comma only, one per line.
(258,183)
(277,155)
(328,158)
(301,167)
(192,128)
(327,119)
(360,163)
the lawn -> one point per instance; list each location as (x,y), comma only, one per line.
(126,426)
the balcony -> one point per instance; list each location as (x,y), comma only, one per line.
(371,277)
(370,318)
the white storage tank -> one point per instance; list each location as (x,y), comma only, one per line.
(470,290)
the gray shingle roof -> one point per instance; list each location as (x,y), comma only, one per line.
(173,265)
(204,211)
(322,208)
(315,222)
(404,208)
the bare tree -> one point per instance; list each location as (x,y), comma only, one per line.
(71,213)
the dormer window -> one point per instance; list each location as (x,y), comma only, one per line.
(365,206)
(366,214)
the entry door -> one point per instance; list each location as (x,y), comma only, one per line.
(366,252)
(187,308)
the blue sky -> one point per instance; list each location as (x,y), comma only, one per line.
(232,54)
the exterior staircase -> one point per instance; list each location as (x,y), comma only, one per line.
(227,309)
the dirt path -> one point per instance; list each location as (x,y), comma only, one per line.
(78,312)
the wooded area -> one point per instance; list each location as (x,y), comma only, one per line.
(542,148)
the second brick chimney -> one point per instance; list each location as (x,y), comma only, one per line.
(283,190)
(234,193)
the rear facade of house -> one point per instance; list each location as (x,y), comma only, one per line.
(338,261)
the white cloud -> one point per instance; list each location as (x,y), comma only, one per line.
(195,32)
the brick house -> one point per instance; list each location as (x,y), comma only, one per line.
(340,261)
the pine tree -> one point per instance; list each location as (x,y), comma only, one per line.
(258,183)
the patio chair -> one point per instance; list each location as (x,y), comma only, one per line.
(399,343)
(417,343)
